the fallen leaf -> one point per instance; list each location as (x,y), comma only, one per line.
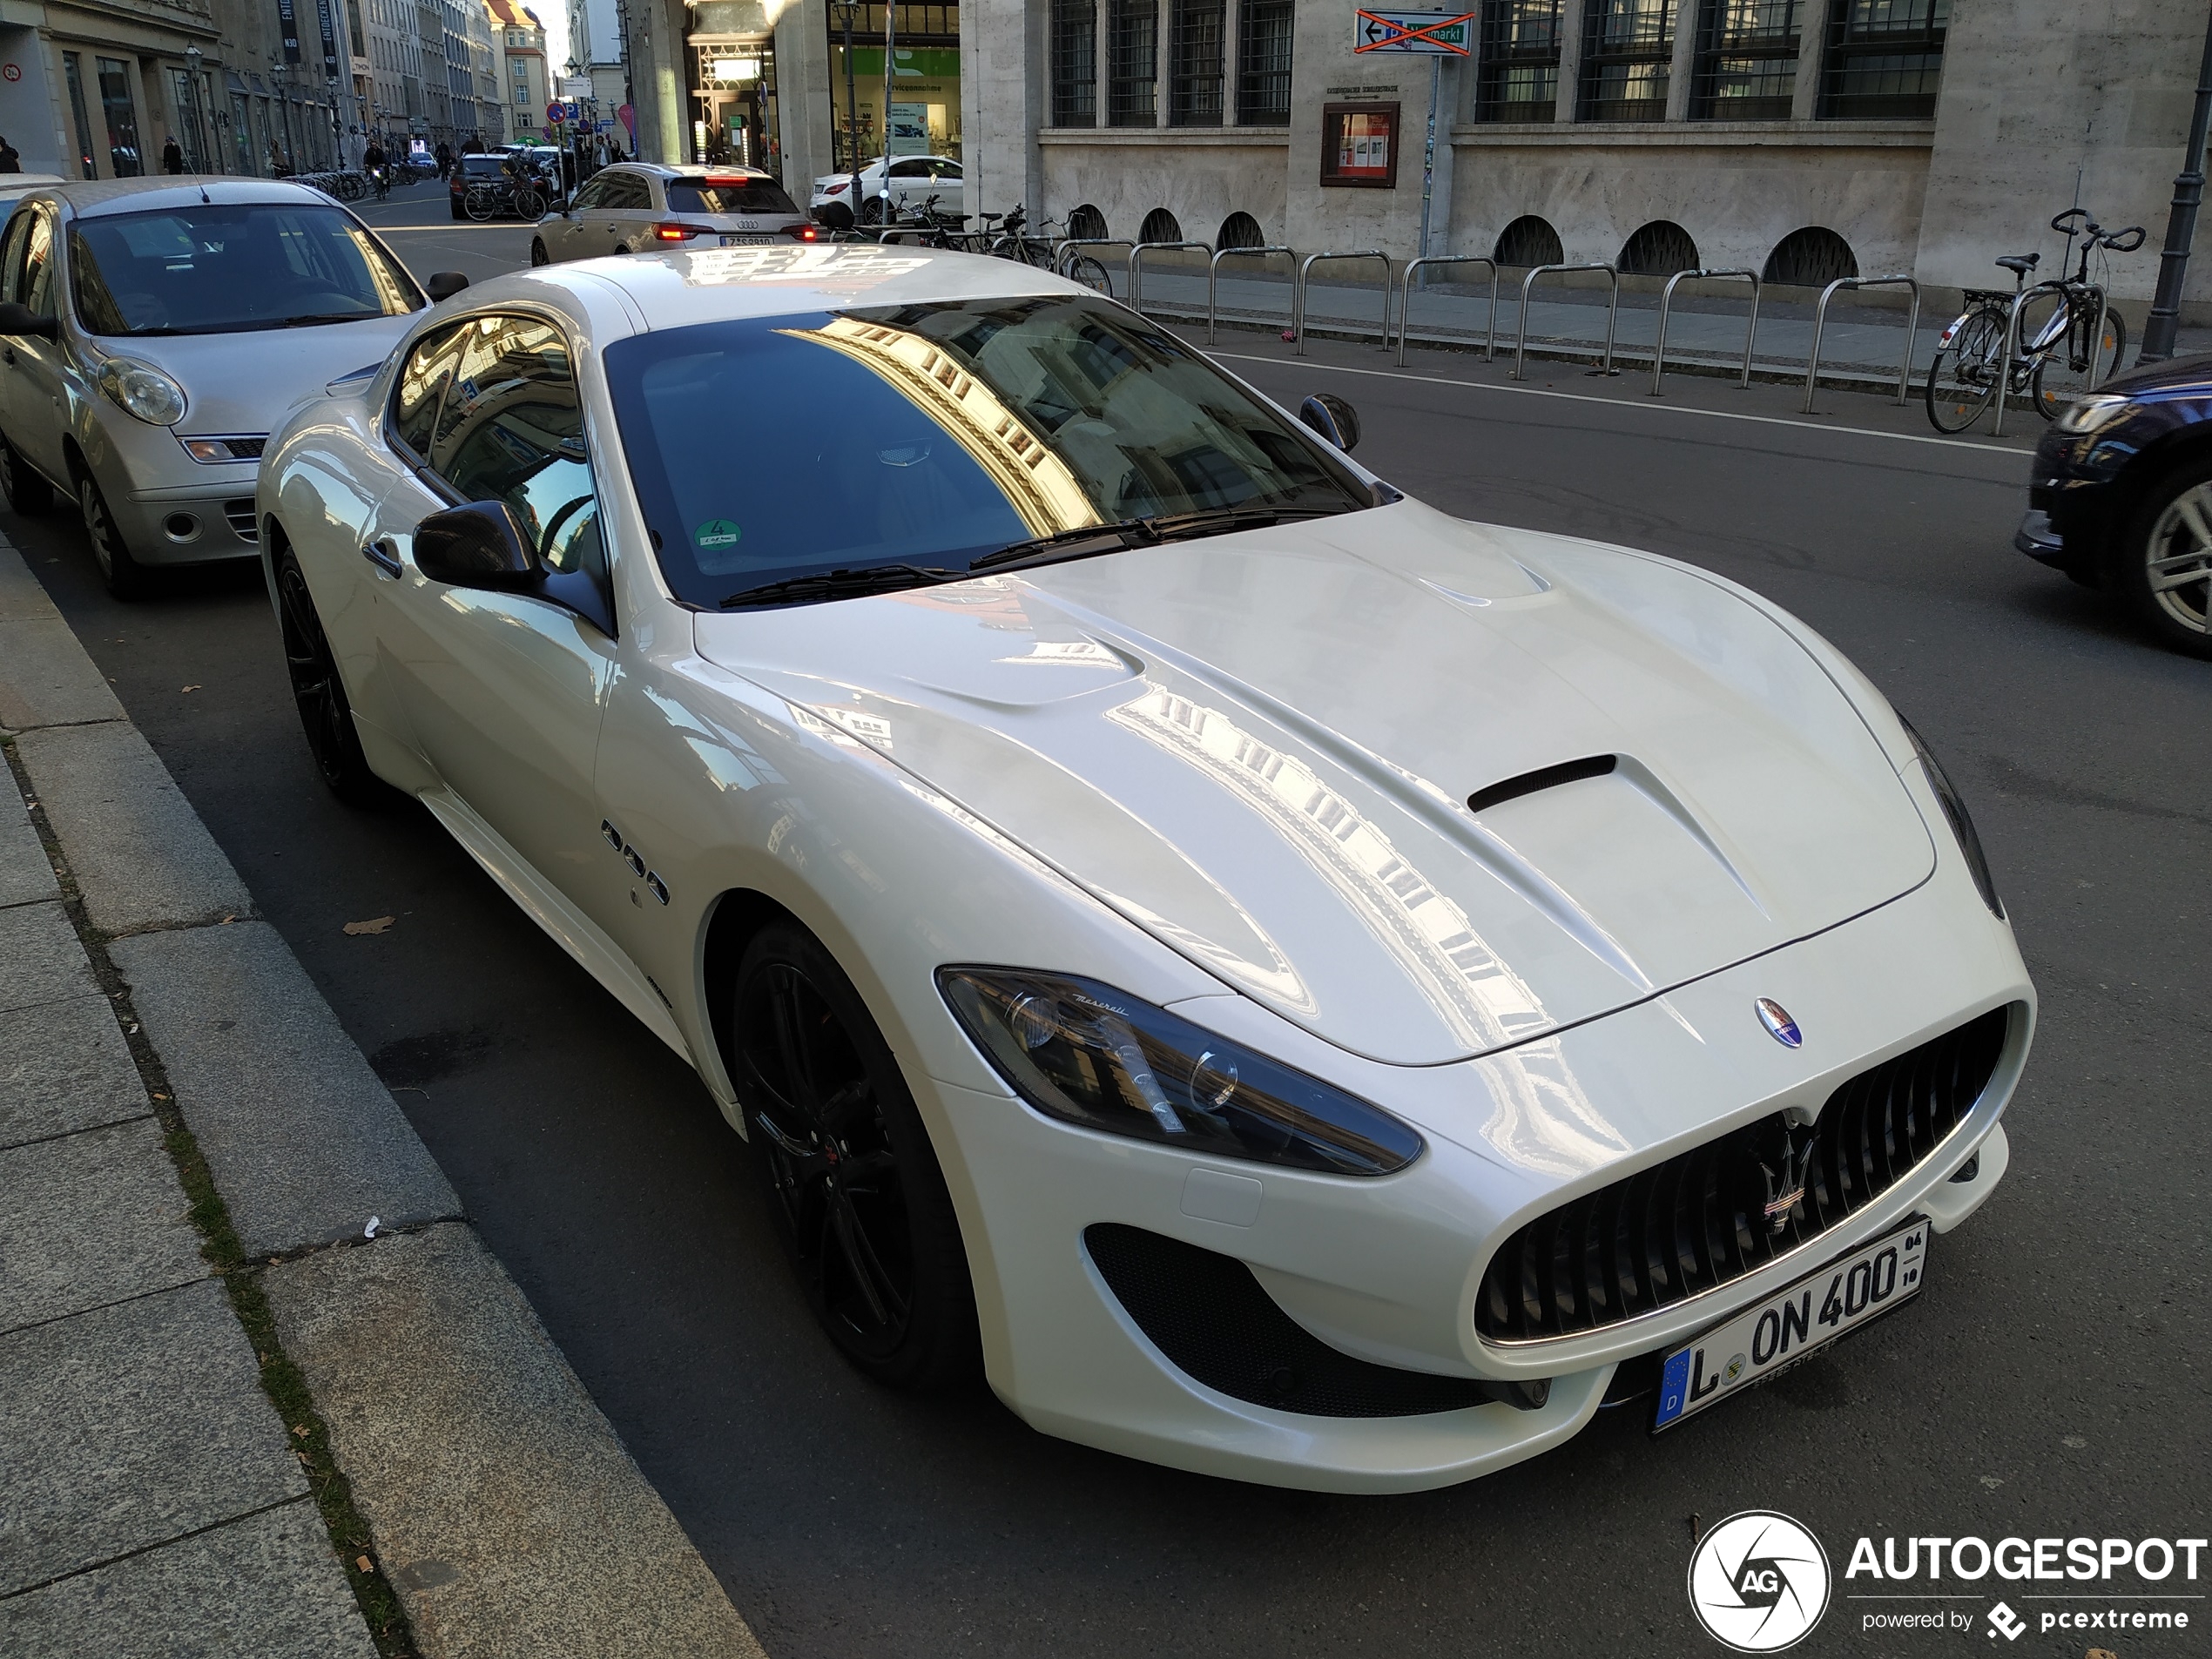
(361,1562)
(300,1429)
(376,925)
(191,688)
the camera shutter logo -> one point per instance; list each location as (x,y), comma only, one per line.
(1758,1581)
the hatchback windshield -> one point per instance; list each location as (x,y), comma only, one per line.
(775,449)
(727,196)
(227,267)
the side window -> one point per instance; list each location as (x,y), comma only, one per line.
(513,431)
(39,264)
(11,253)
(910,170)
(590,196)
(423,379)
(633,193)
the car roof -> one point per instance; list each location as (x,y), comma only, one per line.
(693,169)
(95,198)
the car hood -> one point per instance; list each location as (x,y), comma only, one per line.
(1261,748)
(249,383)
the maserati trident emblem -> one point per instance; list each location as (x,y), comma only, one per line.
(1778,1024)
(1784,1161)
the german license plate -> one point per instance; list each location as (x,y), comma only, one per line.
(1791,1324)
(749,238)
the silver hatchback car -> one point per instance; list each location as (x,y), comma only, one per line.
(636,206)
(153,331)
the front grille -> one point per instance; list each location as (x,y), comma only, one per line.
(246,448)
(240,515)
(1684,1226)
(1215,1322)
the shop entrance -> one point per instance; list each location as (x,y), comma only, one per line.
(734,119)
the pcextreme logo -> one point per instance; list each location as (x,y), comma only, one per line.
(1758,1581)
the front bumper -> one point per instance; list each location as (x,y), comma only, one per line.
(2036,538)
(194,523)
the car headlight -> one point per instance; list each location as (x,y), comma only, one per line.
(1088,1054)
(142,390)
(2088,414)
(1962,826)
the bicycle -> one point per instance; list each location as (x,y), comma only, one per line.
(1005,241)
(487,199)
(2054,363)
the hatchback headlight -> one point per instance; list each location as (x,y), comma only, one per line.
(142,390)
(1962,826)
(2088,414)
(1088,1054)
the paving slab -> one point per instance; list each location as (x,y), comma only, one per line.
(141,857)
(25,876)
(46,678)
(64,1067)
(131,1426)
(40,958)
(509,1517)
(21,594)
(263,1588)
(90,1219)
(304,1141)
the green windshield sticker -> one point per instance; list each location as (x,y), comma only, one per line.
(717,532)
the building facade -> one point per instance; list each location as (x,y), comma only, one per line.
(1803,139)
(525,87)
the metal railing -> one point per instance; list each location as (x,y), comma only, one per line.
(1298,292)
(2012,334)
(1137,265)
(1213,275)
(1060,250)
(1666,298)
(1911,333)
(1612,311)
(1405,298)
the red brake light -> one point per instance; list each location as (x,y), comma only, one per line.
(804,232)
(674,232)
(832,190)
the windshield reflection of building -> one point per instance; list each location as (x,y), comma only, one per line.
(1037,484)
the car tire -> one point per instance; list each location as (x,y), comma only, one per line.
(319,692)
(538,255)
(124,576)
(853,1182)
(2162,568)
(27,491)
(621,247)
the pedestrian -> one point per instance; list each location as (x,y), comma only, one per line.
(172,158)
(10,160)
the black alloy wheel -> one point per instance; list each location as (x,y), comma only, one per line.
(856,1190)
(2163,562)
(325,714)
(28,493)
(124,576)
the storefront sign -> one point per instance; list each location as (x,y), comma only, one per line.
(288,22)
(1360,145)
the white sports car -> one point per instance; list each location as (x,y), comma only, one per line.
(1291,984)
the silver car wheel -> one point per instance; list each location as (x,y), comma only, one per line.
(2177,560)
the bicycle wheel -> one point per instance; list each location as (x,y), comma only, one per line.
(349,186)
(1963,378)
(1091,274)
(2063,374)
(481,202)
(529,205)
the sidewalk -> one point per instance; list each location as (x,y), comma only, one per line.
(232,1421)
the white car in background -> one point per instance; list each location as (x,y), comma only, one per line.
(914,180)
(637,205)
(1291,984)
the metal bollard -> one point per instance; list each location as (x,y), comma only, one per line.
(1405,298)
(1666,298)
(1298,292)
(1213,271)
(1912,334)
(1612,311)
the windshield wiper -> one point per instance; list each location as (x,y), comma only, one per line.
(1146,532)
(839,584)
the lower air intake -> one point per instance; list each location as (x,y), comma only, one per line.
(239,514)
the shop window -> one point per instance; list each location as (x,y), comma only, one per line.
(1529,241)
(1264,63)
(1239,230)
(125,158)
(1160,225)
(1520,72)
(1195,64)
(1884,59)
(1132,63)
(1660,248)
(1627,50)
(1747,60)
(1075,63)
(73,72)
(1811,258)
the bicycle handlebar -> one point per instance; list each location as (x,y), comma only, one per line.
(2063,228)
(2118,242)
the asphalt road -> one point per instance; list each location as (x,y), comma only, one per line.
(2050,1380)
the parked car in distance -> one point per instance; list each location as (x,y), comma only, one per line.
(914,180)
(490,168)
(2119,497)
(634,206)
(153,331)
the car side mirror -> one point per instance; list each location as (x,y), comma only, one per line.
(476,546)
(19,321)
(443,285)
(1334,418)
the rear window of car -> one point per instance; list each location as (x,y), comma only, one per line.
(727,196)
(487,166)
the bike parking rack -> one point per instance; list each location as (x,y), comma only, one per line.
(1405,298)
(2055,285)
(1137,265)
(1213,273)
(1060,249)
(1298,292)
(1612,311)
(1666,298)
(1911,331)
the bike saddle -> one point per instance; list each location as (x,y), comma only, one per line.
(2022,263)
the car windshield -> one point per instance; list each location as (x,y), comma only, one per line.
(227,267)
(769,449)
(727,196)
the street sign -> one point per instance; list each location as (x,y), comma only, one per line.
(569,110)
(555,114)
(1434,33)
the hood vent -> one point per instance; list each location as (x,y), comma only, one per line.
(1528,783)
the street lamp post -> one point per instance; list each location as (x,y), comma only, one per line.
(845,11)
(2181,226)
(191,107)
(890,61)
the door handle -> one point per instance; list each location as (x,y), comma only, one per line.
(380,555)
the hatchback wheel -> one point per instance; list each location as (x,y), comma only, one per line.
(325,714)
(125,577)
(2165,563)
(538,255)
(27,492)
(856,1190)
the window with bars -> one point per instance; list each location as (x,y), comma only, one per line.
(1520,72)
(1884,59)
(1075,63)
(1627,50)
(1132,63)
(1264,63)
(1194,63)
(1747,60)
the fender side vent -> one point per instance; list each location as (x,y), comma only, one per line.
(1216,1323)
(1528,783)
